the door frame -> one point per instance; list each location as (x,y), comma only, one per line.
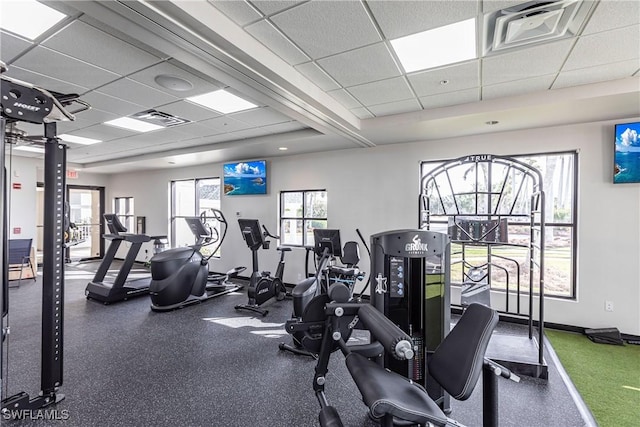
(101,192)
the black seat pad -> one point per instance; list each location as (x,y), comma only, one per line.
(345,271)
(386,392)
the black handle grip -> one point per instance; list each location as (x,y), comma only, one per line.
(394,339)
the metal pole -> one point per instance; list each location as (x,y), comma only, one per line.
(53,263)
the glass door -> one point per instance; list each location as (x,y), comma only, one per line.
(86,207)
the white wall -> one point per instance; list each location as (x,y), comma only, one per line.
(376,190)
(22,202)
(28,171)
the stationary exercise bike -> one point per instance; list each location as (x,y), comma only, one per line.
(181,277)
(262,286)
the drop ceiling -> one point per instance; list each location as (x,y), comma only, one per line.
(323,75)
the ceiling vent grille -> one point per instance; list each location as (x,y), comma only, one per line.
(159,118)
(534,22)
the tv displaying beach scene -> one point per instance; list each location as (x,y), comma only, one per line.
(627,155)
(245,178)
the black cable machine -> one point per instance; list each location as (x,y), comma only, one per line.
(120,289)
(22,102)
(410,279)
(493,208)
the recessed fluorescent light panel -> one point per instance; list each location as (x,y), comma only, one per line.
(30,148)
(78,139)
(133,124)
(437,47)
(28,18)
(222,101)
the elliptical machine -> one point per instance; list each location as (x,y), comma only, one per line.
(262,286)
(180,276)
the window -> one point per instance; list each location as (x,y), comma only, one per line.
(191,197)
(559,174)
(123,208)
(300,213)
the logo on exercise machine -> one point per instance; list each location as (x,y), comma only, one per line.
(416,246)
(26,106)
(478,158)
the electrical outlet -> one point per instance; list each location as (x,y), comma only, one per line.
(608,306)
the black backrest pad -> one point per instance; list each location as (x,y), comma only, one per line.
(350,254)
(457,362)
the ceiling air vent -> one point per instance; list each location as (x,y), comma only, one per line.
(159,118)
(534,22)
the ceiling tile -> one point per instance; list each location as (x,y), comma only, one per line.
(194,142)
(137,93)
(239,12)
(65,68)
(397,107)
(260,117)
(458,77)
(323,28)
(525,63)
(248,133)
(188,110)
(318,76)
(200,86)
(612,46)
(197,130)
(596,74)
(452,98)
(68,127)
(345,98)
(362,113)
(268,35)
(363,65)
(225,124)
(10,46)
(518,87)
(613,14)
(401,18)
(88,44)
(268,7)
(395,89)
(110,104)
(105,132)
(147,139)
(43,81)
(494,5)
(284,127)
(95,116)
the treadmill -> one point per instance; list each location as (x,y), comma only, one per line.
(121,288)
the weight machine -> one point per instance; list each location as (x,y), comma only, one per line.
(23,102)
(493,209)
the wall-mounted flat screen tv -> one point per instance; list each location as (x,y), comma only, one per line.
(245,178)
(627,155)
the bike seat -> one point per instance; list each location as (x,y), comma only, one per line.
(266,273)
(283,248)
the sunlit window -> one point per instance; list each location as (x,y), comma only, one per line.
(123,208)
(300,213)
(189,198)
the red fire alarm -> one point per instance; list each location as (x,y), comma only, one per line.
(17,230)
(17,186)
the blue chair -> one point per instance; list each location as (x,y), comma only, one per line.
(20,257)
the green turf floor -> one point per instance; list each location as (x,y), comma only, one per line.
(606,376)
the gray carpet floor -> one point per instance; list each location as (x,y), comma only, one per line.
(210,365)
